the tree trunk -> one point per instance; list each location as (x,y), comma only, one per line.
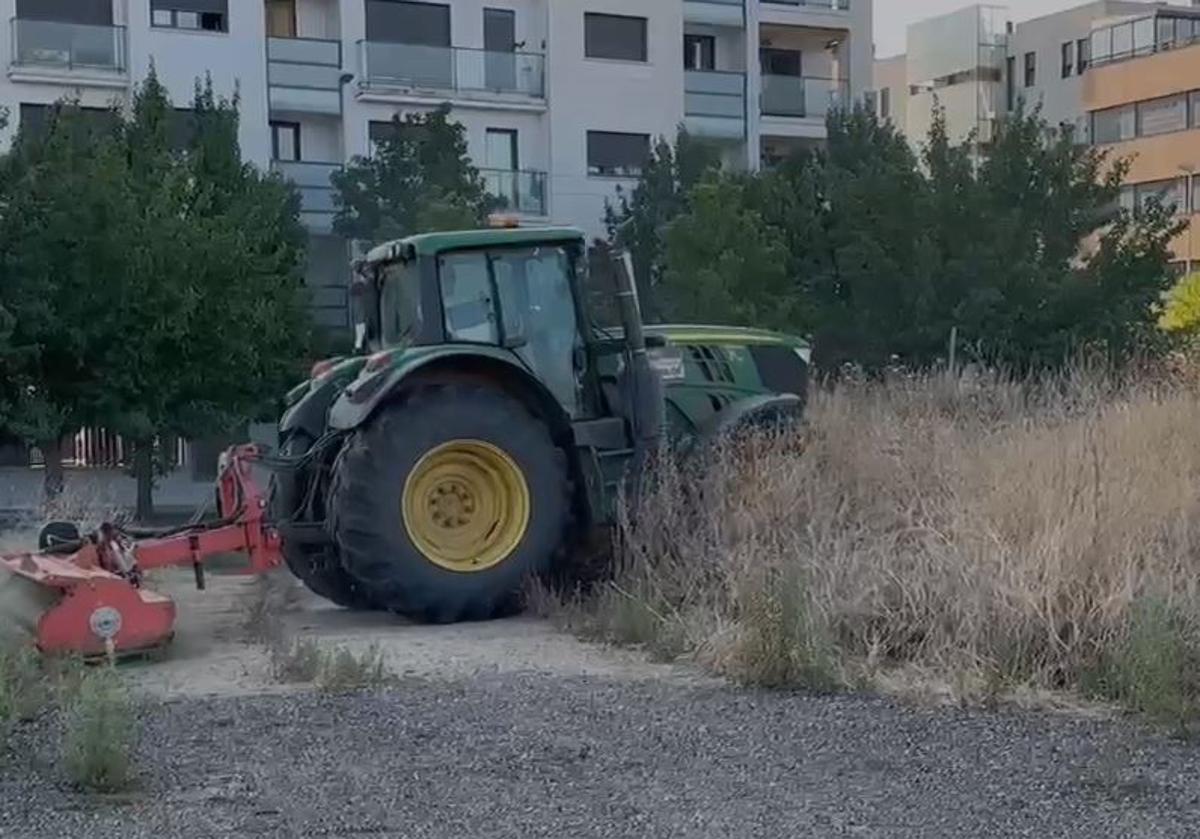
(143,471)
(53,482)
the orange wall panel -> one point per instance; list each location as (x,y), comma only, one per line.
(1133,80)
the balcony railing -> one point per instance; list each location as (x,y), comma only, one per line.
(311,179)
(802,96)
(823,5)
(453,69)
(68,46)
(521,191)
(304,74)
(713,93)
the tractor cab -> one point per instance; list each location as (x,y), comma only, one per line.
(516,290)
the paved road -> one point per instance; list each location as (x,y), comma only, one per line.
(525,755)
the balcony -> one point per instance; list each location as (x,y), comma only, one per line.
(304,75)
(715,12)
(821,14)
(50,50)
(423,74)
(715,104)
(798,99)
(311,179)
(519,191)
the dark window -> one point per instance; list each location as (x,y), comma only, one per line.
(885,103)
(1030,69)
(617,155)
(1068,59)
(285,140)
(208,15)
(777,62)
(1083,52)
(403,22)
(1011,83)
(91,12)
(614,36)
(499,44)
(781,369)
(699,52)
(35,119)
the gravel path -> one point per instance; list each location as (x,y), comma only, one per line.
(525,755)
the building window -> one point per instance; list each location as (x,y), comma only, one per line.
(281,18)
(614,36)
(1194,107)
(1122,41)
(1030,69)
(1143,36)
(1170,194)
(205,15)
(403,22)
(1114,124)
(285,140)
(1162,116)
(1083,53)
(1011,83)
(91,12)
(885,103)
(616,155)
(699,52)
(1068,59)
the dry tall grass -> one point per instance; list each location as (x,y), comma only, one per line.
(990,532)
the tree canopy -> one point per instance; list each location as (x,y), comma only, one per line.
(153,288)
(879,252)
(418,179)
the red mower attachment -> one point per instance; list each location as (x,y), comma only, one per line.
(87,593)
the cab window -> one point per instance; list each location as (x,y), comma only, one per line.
(467,298)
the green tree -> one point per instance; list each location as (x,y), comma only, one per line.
(638,220)
(724,262)
(419,179)
(59,191)
(158,289)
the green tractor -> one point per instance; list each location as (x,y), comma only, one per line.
(488,420)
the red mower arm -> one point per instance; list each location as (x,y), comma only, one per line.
(89,598)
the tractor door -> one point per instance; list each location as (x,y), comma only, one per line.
(519,298)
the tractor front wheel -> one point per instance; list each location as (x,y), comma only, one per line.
(448,501)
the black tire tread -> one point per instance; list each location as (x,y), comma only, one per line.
(398,578)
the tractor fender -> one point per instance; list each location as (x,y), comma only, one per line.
(359,402)
(750,412)
(308,414)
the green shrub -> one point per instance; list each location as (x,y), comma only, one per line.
(99,733)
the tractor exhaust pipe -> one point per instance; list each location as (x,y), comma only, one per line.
(644,387)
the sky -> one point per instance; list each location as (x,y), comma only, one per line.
(893,16)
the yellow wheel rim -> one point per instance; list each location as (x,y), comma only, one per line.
(466,505)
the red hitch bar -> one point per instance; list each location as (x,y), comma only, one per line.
(96,602)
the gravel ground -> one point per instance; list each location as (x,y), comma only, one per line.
(523,755)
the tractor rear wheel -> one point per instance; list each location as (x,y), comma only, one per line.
(447,501)
(315,565)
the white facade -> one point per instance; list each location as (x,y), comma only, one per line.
(528,79)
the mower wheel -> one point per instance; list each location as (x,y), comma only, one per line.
(448,501)
(315,565)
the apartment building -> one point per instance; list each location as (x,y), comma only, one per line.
(1142,96)
(560,100)
(978,66)
(1049,55)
